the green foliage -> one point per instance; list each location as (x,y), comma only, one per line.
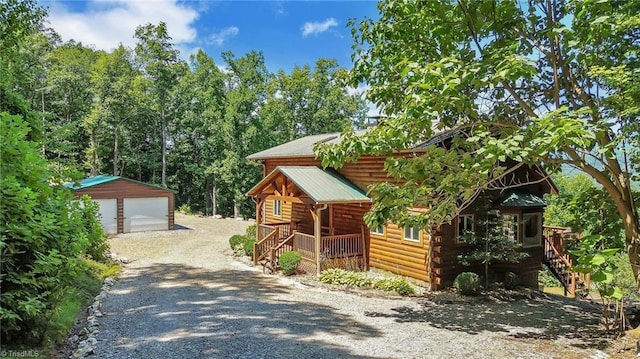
(237,240)
(89,211)
(547,280)
(85,285)
(550,83)
(185,208)
(340,276)
(467,283)
(586,208)
(489,244)
(41,235)
(248,246)
(591,258)
(289,261)
(396,284)
(251,231)
(511,280)
(624,278)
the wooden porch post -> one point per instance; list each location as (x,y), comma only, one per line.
(317,233)
(258,221)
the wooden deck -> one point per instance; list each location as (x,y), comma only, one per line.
(344,250)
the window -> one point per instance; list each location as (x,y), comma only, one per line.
(510,226)
(532,227)
(412,233)
(277,208)
(465,224)
(379,230)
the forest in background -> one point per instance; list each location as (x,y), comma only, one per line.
(144,113)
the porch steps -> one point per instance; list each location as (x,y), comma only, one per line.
(560,264)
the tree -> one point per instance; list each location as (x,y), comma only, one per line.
(307,102)
(489,243)
(113,113)
(18,22)
(159,61)
(198,142)
(246,84)
(541,82)
(587,208)
(69,98)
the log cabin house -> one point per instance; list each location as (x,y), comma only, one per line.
(319,213)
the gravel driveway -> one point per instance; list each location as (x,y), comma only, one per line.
(183,296)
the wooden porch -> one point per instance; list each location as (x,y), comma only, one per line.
(344,250)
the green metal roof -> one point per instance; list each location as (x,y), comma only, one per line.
(91,181)
(520,198)
(102,179)
(322,186)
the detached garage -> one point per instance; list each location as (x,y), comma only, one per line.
(127,205)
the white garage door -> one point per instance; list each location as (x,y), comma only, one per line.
(146,214)
(109,214)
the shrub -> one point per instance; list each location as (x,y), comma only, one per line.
(89,211)
(185,208)
(289,261)
(511,280)
(344,277)
(237,240)
(396,284)
(358,279)
(467,283)
(248,246)
(251,231)
(547,280)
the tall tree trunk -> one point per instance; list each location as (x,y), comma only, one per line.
(164,151)
(236,209)
(214,199)
(115,153)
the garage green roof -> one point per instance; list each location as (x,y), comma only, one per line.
(321,186)
(102,179)
(91,181)
(520,198)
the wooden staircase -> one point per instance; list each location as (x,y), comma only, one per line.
(267,251)
(560,263)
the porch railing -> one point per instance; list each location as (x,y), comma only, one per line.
(341,246)
(304,243)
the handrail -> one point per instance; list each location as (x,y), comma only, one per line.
(565,258)
(260,248)
(277,251)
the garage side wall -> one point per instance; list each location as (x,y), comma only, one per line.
(121,189)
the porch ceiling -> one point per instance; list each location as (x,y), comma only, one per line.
(321,186)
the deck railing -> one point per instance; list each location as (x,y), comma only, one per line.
(341,246)
(305,244)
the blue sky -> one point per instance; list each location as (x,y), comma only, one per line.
(287,32)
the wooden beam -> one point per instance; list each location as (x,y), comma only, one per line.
(286,199)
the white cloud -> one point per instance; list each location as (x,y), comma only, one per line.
(219,38)
(106,23)
(315,28)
